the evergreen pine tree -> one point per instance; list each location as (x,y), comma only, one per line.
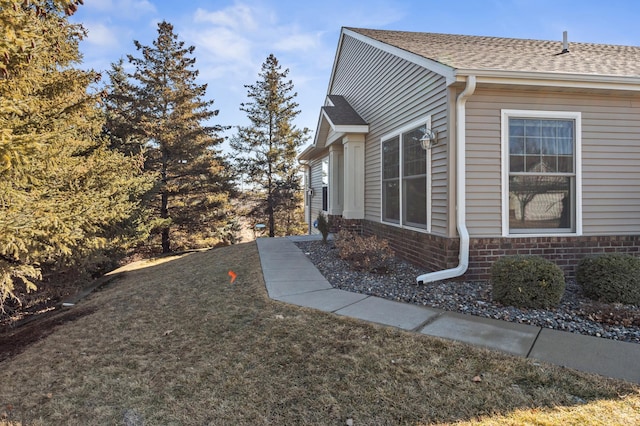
(169,114)
(266,150)
(120,113)
(64,197)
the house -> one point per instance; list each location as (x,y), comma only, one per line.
(462,149)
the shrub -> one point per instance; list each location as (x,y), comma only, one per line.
(324,226)
(527,281)
(612,277)
(364,253)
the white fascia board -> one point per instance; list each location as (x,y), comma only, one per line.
(431,65)
(315,137)
(319,127)
(578,81)
(340,133)
(356,128)
(323,114)
(306,155)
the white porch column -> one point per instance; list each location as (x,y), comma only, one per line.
(336,193)
(353,176)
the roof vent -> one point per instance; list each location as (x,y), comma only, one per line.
(565,42)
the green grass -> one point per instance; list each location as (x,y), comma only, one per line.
(173,342)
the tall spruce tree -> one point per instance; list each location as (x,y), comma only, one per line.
(64,197)
(120,113)
(266,150)
(122,137)
(169,112)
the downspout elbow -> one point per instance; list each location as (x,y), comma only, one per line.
(461,213)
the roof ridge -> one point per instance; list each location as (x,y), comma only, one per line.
(491,53)
(361,30)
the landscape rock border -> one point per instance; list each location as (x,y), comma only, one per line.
(472,298)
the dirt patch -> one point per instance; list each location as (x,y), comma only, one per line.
(27,305)
(15,340)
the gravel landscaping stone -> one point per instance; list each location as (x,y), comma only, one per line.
(474,298)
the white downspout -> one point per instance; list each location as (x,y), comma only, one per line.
(461,182)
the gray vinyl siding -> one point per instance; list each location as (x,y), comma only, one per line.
(610,157)
(389,93)
(316,185)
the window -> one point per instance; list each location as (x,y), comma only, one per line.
(325,185)
(414,179)
(391,180)
(405,179)
(542,164)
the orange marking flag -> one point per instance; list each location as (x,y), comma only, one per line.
(233,276)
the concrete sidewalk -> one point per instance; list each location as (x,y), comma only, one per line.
(291,277)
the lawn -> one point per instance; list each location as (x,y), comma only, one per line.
(172,342)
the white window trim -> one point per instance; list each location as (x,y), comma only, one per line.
(504,141)
(324,185)
(422,122)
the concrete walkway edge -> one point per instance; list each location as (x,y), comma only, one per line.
(292,278)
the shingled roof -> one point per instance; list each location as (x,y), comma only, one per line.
(337,119)
(341,113)
(461,52)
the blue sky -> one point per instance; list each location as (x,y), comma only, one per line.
(233,38)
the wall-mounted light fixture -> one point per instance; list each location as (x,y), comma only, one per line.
(429,139)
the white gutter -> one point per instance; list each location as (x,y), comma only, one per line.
(556,79)
(461,182)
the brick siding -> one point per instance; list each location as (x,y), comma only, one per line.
(338,223)
(429,251)
(435,253)
(565,252)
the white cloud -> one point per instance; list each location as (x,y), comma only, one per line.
(241,36)
(102,5)
(239,17)
(109,25)
(221,45)
(128,9)
(141,6)
(297,42)
(100,35)
(233,42)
